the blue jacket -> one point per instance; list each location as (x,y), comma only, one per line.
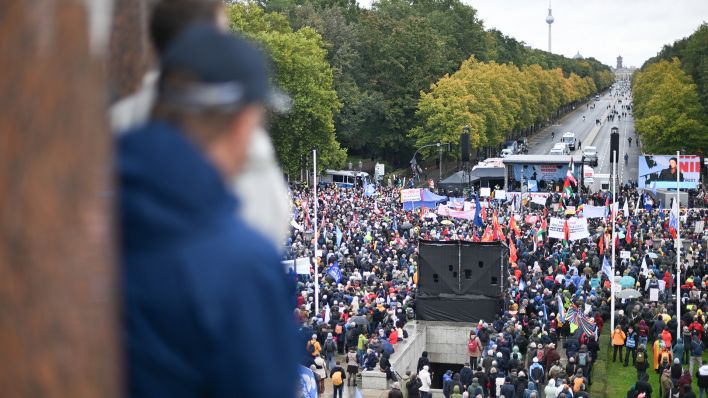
(206,305)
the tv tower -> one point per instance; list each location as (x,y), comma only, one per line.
(549,21)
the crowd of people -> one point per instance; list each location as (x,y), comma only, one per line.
(368,279)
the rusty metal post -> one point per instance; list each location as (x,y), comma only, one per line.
(58,314)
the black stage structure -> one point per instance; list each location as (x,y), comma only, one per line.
(460,281)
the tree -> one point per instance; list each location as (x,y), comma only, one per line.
(301,70)
(668,112)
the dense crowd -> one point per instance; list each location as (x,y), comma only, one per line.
(372,241)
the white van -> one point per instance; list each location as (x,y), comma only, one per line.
(560,149)
(569,139)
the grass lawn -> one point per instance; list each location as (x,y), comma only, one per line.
(612,380)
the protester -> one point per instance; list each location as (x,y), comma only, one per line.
(370,262)
(337,375)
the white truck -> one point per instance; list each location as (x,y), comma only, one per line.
(569,140)
(560,149)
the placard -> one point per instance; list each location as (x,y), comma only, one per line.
(555,228)
(411,195)
(653,294)
(500,194)
(302,266)
(485,192)
(578,228)
(699,226)
(594,211)
(625,254)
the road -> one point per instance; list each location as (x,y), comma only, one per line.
(589,134)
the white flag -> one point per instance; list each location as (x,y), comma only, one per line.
(645,269)
(625,208)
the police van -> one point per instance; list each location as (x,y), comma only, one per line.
(569,140)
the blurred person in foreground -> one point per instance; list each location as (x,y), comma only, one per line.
(259,185)
(207,308)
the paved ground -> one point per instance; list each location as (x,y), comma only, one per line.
(588,134)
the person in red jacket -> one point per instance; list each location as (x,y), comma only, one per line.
(667,278)
(697,327)
(666,337)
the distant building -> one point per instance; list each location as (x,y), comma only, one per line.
(619,62)
(577,56)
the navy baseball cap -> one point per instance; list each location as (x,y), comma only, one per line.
(228,71)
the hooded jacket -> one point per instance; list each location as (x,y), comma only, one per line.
(424,377)
(202,292)
(702,376)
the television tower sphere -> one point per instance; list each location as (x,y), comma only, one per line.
(549,19)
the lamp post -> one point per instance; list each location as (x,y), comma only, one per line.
(466,130)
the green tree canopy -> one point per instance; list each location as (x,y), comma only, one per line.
(668,112)
(301,70)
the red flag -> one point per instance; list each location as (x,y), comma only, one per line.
(545,212)
(601,244)
(628,238)
(514,227)
(497,234)
(488,234)
(566,230)
(512,251)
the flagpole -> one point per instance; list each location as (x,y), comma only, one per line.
(678,245)
(317,265)
(614,218)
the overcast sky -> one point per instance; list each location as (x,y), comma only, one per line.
(635,29)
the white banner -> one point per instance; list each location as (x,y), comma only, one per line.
(578,228)
(594,211)
(411,195)
(555,228)
(484,192)
(539,200)
(446,211)
(499,194)
(302,266)
(625,254)
(653,294)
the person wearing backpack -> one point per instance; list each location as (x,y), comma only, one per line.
(330,349)
(631,345)
(536,372)
(618,338)
(696,351)
(313,347)
(474,348)
(585,361)
(578,381)
(338,376)
(641,362)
